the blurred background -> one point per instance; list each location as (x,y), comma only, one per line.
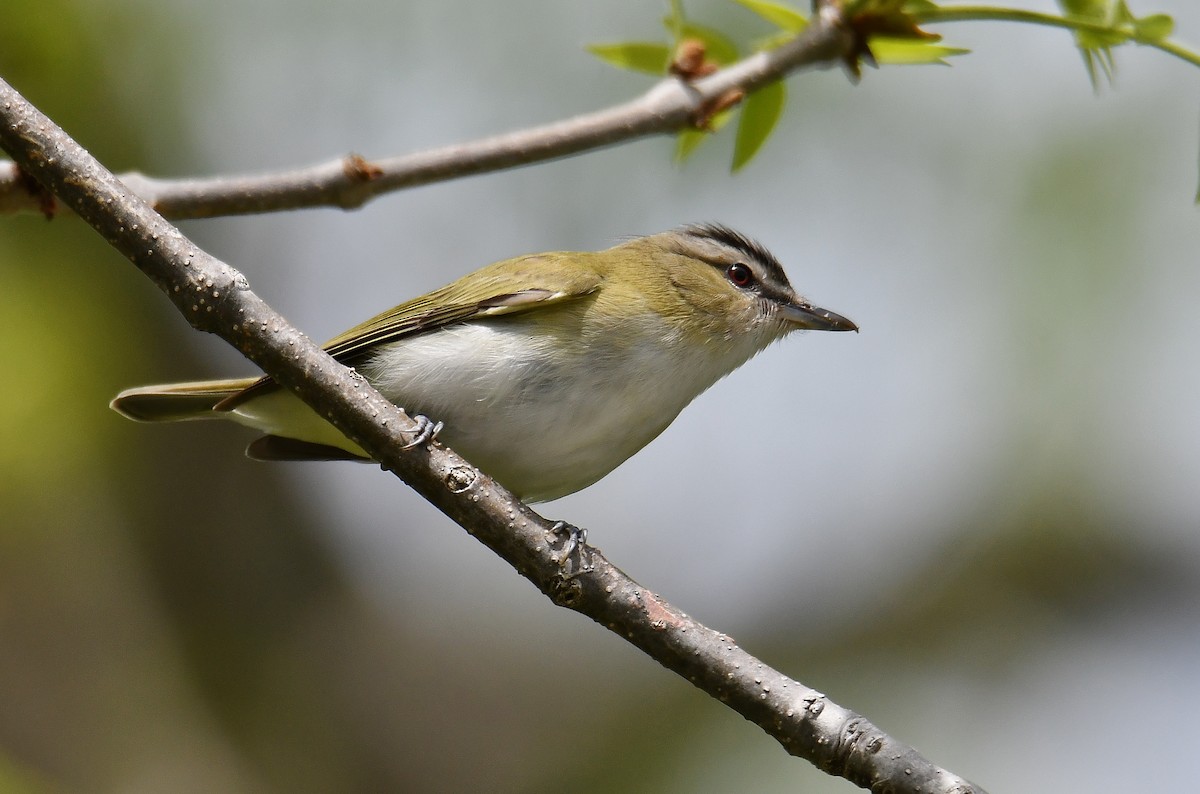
(977,522)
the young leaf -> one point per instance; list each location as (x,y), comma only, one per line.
(1155,27)
(1095,46)
(778,14)
(640,56)
(687,140)
(909,51)
(760,112)
(674,20)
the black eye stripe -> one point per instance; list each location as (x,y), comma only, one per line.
(704,242)
(723,235)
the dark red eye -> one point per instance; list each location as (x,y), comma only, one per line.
(739,275)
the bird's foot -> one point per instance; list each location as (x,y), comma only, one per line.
(426,431)
(575,558)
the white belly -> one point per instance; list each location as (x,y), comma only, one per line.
(543,425)
(543,417)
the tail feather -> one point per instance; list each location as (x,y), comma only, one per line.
(283,448)
(174,402)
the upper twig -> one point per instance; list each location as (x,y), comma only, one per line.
(351,181)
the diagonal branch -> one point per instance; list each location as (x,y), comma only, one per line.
(215,297)
(352,181)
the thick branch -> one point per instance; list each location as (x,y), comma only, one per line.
(350,182)
(216,298)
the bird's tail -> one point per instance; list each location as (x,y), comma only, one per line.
(176,402)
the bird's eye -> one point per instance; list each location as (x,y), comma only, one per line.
(739,274)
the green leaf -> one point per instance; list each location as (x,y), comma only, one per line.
(1156,27)
(687,141)
(1100,40)
(640,56)
(911,51)
(760,112)
(780,15)
(1092,9)
(1110,13)
(1119,14)
(1096,46)
(674,20)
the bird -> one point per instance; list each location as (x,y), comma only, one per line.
(546,371)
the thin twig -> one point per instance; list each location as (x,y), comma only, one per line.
(989,14)
(351,181)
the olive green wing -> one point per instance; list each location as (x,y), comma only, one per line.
(484,293)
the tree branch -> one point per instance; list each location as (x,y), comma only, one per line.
(215,297)
(351,181)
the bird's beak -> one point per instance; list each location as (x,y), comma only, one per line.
(813,318)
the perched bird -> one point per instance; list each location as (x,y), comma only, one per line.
(547,370)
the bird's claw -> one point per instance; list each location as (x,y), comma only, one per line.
(575,558)
(426,431)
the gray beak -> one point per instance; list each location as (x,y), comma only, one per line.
(813,318)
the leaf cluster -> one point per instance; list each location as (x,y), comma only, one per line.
(888,37)
(886,32)
(1121,27)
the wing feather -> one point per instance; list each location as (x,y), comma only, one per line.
(485,293)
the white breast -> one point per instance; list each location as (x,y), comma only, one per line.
(543,416)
